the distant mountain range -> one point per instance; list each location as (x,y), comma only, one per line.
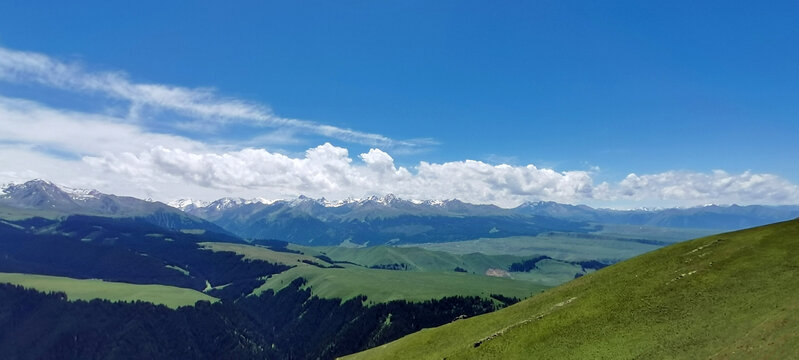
(375,220)
(716,217)
(45,199)
(372,221)
(389,219)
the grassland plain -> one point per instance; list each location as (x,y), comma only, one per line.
(726,296)
(88,289)
(551,272)
(560,246)
(431,276)
(387,285)
(416,259)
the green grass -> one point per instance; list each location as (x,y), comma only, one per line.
(262,253)
(571,247)
(386,285)
(12,213)
(612,243)
(417,259)
(652,232)
(727,296)
(549,272)
(88,289)
(431,277)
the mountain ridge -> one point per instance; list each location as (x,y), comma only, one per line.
(378,220)
(45,199)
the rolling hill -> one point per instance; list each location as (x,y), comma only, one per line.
(89,289)
(338,277)
(726,296)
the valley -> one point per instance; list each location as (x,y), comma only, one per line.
(164,264)
(392,180)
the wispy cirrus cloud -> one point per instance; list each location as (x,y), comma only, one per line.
(205,106)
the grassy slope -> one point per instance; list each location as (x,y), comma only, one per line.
(262,253)
(10,213)
(727,296)
(387,285)
(378,285)
(612,243)
(549,272)
(570,247)
(88,289)
(416,258)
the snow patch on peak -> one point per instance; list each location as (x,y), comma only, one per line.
(184,204)
(339,203)
(5,189)
(80,194)
(227,202)
(220,204)
(435,202)
(260,200)
(388,199)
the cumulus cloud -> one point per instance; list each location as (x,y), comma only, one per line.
(681,186)
(328,171)
(203,105)
(116,155)
(87,150)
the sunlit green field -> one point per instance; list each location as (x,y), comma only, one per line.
(261,253)
(431,275)
(387,285)
(88,289)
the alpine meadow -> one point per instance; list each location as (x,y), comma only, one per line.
(399,180)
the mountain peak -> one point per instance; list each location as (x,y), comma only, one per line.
(185,204)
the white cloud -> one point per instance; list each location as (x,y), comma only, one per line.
(204,106)
(113,156)
(118,156)
(27,122)
(328,171)
(714,187)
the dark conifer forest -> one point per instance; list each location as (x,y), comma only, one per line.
(289,324)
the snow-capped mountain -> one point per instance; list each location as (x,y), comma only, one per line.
(44,198)
(372,220)
(187,204)
(375,219)
(382,219)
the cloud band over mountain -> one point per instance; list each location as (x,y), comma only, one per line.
(120,154)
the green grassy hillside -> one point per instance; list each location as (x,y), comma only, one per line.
(346,281)
(727,296)
(88,289)
(572,247)
(387,285)
(548,272)
(416,259)
(261,253)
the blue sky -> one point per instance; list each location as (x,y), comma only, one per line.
(600,90)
